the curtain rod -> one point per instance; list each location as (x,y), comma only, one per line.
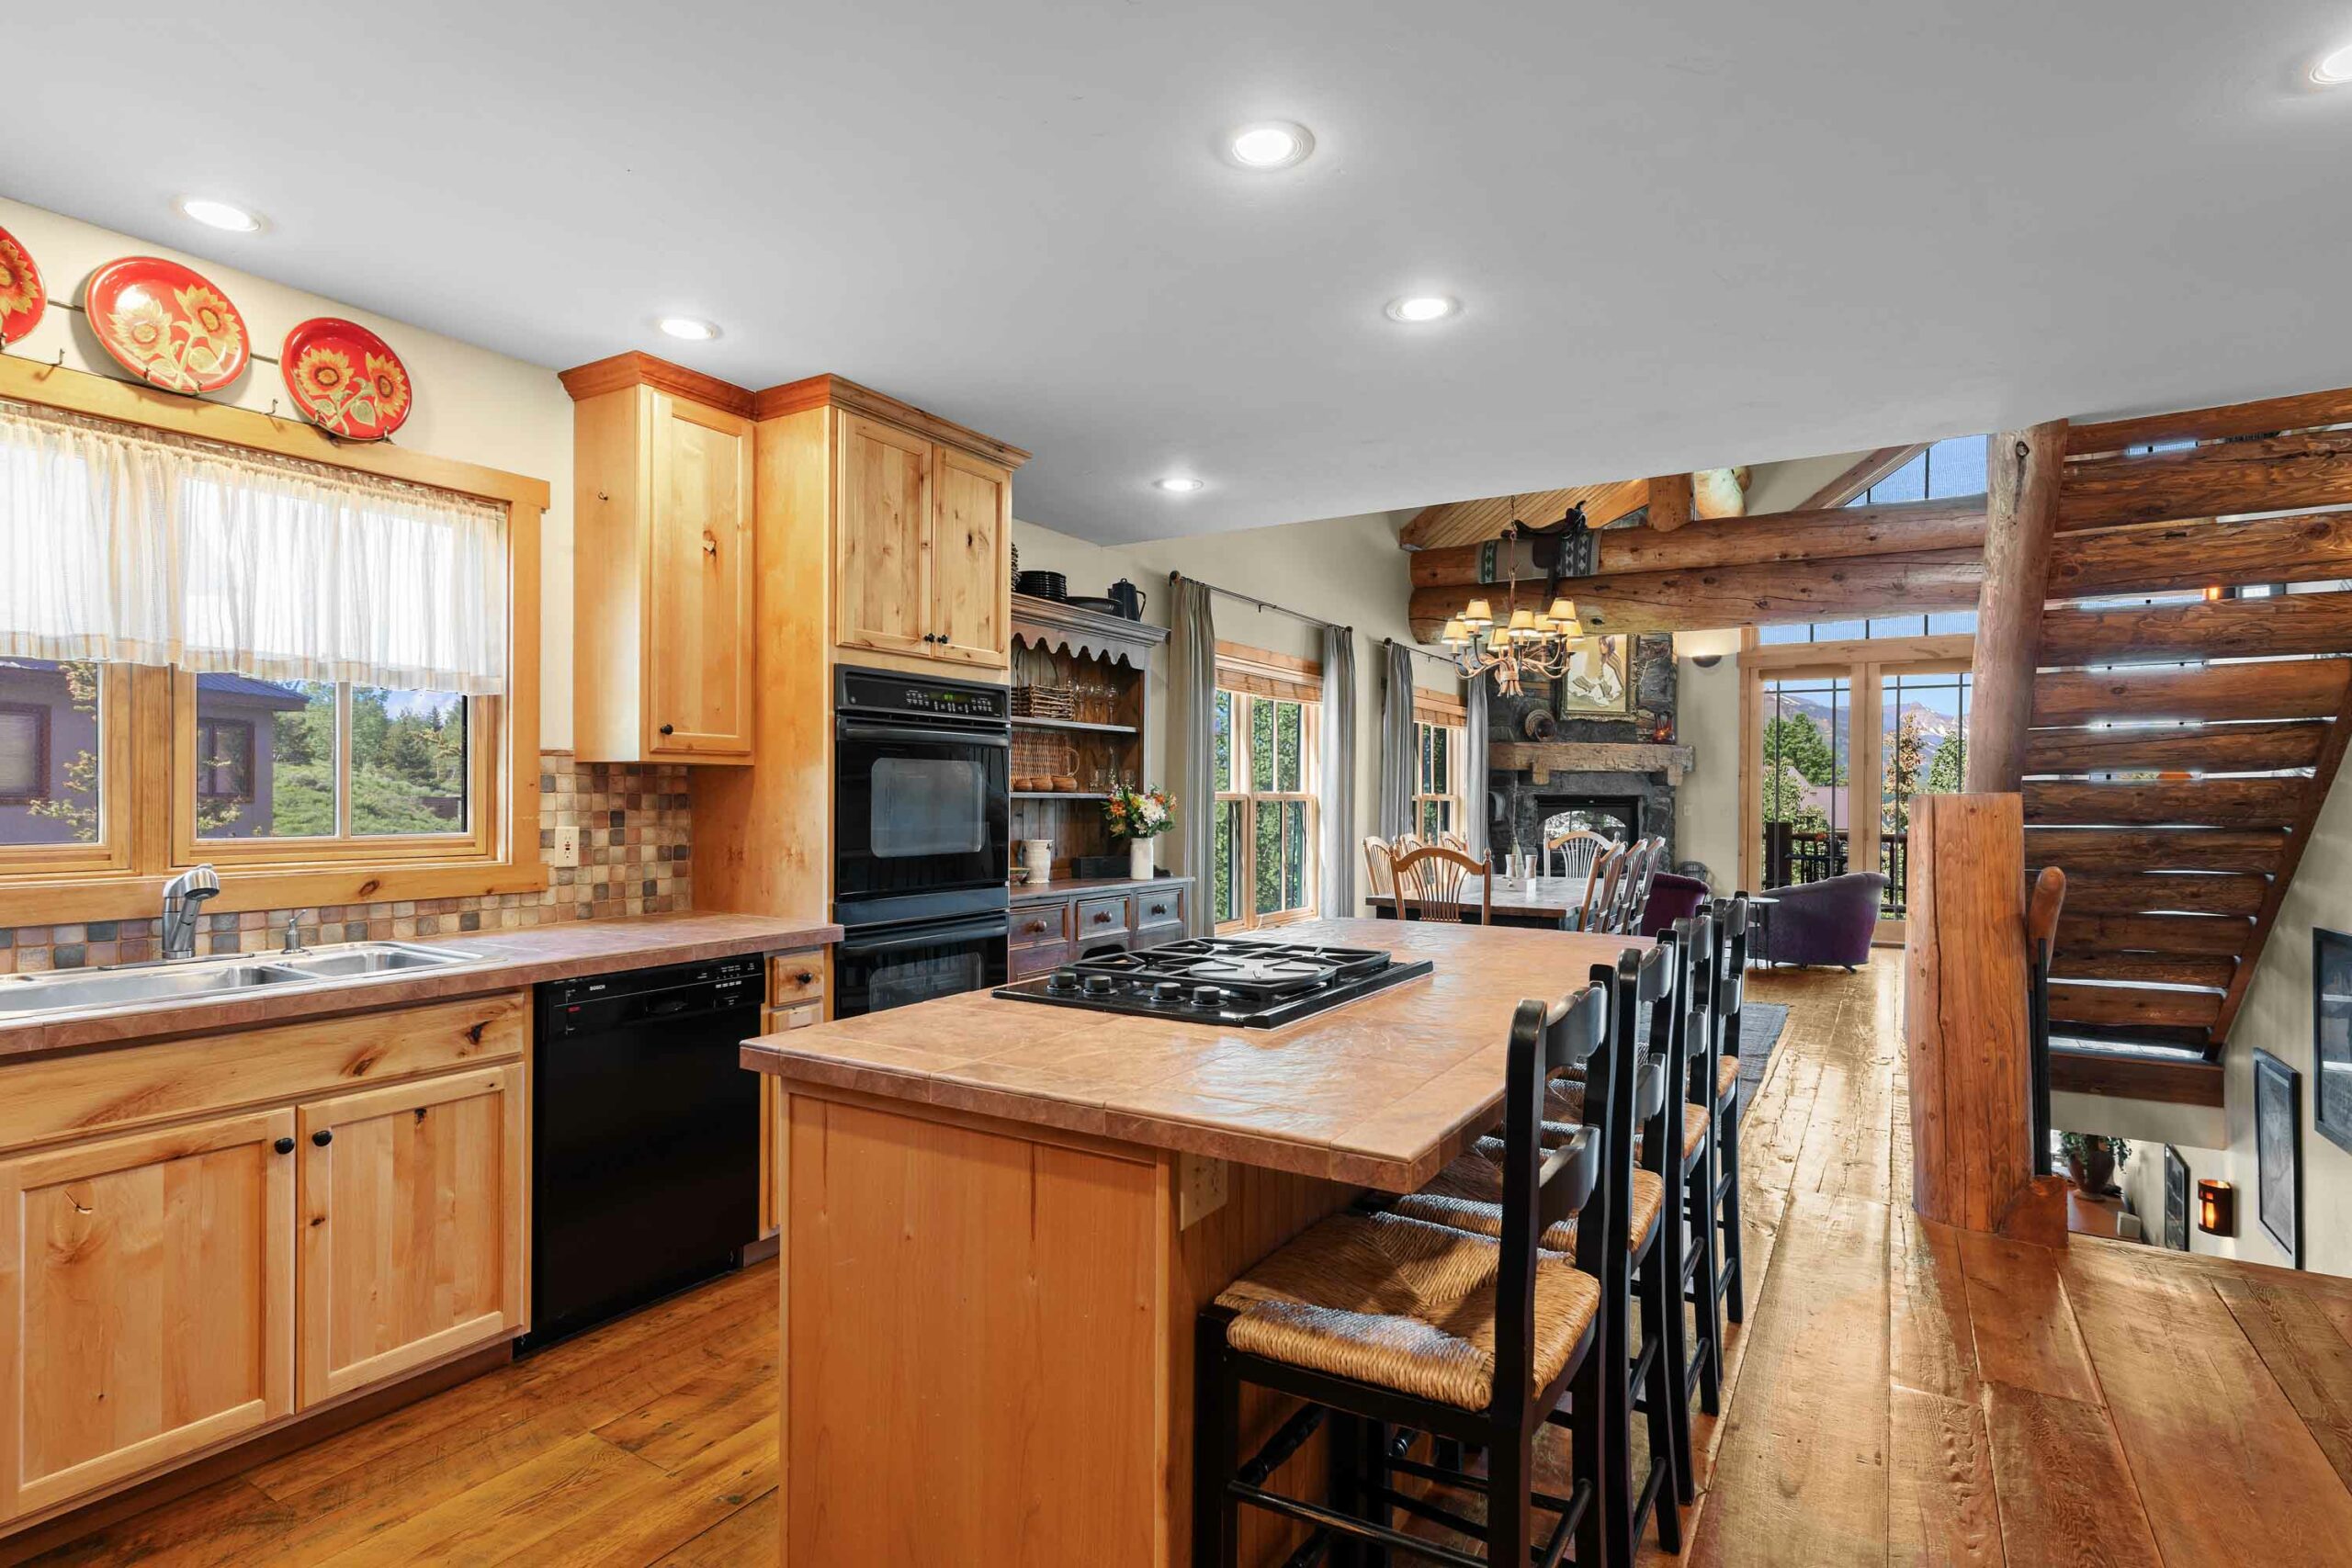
(1261,603)
(1445,659)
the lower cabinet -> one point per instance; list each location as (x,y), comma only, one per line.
(147,1287)
(1055,926)
(411,1225)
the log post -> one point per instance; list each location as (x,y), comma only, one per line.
(1669,501)
(2022,470)
(1965,1021)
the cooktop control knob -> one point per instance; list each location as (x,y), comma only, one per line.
(1167,991)
(1207,996)
(1099,985)
(1063,980)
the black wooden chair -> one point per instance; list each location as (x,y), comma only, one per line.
(1381,1320)
(1731,985)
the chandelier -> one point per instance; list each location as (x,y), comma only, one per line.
(1522,643)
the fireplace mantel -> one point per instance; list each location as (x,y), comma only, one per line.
(1541,759)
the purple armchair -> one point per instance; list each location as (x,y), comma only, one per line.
(1671,898)
(1826,922)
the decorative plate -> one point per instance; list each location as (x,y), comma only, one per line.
(344,378)
(21,298)
(166,324)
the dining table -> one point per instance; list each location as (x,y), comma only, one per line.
(1516,900)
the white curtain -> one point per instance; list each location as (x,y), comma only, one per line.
(1396,759)
(1474,764)
(120,543)
(1340,853)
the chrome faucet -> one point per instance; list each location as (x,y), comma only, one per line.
(182,896)
(294,931)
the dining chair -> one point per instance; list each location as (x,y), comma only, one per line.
(1378,877)
(1600,889)
(1730,986)
(1453,840)
(1436,884)
(1632,882)
(2042,909)
(1578,849)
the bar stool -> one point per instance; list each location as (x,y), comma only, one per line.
(1731,983)
(1383,1320)
(1467,1195)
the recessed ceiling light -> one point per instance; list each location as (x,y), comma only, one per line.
(1272,144)
(219,215)
(2335,69)
(689,328)
(1418,307)
(1177,484)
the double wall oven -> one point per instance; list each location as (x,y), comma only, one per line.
(922,808)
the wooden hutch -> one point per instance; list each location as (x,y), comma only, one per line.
(1081,698)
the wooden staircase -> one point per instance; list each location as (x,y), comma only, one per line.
(2176,871)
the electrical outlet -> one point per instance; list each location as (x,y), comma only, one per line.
(1200,1184)
(566,851)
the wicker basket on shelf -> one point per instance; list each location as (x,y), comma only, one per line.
(1045,702)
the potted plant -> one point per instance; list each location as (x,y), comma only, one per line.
(2092,1161)
(1139,815)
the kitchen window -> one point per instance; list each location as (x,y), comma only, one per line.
(255,647)
(1264,765)
(1437,779)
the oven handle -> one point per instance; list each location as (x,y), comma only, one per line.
(995,925)
(857,729)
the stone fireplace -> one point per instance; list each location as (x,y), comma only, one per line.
(1620,772)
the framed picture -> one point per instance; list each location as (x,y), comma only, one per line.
(1596,683)
(2332,1035)
(2279,1153)
(2175,1199)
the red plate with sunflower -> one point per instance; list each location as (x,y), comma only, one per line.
(346,379)
(166,324)
(21,298)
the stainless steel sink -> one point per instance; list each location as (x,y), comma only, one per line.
(194,979)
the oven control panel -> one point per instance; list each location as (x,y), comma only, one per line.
(877,693)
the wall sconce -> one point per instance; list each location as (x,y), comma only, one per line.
(2217,1207)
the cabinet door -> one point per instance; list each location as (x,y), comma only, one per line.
(971,565)
(699,630)
(411,1225)
(147,1291)
(775,1020)
(883,539)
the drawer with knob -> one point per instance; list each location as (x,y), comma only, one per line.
(1099,918)
(796,978)
(1035,924)
(1159,907)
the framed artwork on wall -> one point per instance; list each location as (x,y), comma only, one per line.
(2175,1199)
(1596,684)
(2332,1035)
(2279,1153)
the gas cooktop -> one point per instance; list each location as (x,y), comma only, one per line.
(1228,980)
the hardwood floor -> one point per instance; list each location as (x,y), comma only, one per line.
(1901,1394)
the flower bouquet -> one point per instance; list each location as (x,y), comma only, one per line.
(1138,817)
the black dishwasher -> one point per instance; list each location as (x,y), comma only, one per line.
(645,1138)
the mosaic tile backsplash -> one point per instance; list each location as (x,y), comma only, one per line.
(635,839)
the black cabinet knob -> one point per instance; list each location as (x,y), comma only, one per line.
(669,729)
(284,1145)
(324,1137)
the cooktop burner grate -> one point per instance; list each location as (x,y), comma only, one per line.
(1225,979)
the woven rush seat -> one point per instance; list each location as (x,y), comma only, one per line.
(1565,1102)
(1468,1195)
(1402,1303)
(1726,1075)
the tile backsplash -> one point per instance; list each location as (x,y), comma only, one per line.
(635,839)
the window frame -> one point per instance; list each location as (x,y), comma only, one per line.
(1250,799)
(1451,797)
(147,729)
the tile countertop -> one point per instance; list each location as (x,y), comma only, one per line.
(525,956)
(1380,1093)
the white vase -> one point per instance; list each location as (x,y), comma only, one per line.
(1139,857)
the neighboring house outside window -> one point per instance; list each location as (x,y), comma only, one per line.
(44,728)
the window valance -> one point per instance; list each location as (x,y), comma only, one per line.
(119,542)
(1240,667)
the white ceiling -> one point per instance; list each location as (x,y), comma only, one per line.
(1686,235)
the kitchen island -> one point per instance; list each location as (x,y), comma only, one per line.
(999,1219)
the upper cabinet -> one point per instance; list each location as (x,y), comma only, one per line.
(664,568)
(922,556)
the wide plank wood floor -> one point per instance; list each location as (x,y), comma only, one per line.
(1901,1394)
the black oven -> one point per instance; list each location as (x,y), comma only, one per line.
(879,968)
(921,770)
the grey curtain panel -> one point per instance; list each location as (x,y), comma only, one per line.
(1473,765)
(1339,782)
(1191,710)
(1396,745)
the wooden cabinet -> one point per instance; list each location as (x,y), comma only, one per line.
(922,547)
(1057,924)
(147,1287)
(412,1230)
(663,576)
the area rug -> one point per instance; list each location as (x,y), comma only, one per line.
(1761,1024)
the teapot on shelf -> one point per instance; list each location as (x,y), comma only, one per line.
(1128,598)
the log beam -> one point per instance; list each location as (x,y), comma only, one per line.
(1669,504)
(2230,552)
(2303,688)
(2266,474)
(2022,473)
(1774,539)
(2166,849)
(2219,629)
(1466,521)
(2235,803)
(1744,595)
(2258,746)
(2306,410)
